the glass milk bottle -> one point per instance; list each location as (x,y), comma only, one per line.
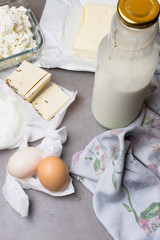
(126,62)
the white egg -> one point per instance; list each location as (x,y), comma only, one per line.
(24,163)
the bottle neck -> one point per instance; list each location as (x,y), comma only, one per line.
(131,39)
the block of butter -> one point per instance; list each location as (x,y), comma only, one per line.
(50,100)
(94,26)
(27,80)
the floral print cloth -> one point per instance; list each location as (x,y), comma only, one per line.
(121,168)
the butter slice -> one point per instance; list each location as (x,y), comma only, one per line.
(50,101)
(95,25)
(27,80)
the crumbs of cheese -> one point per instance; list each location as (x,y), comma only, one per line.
(94,26)
(15,31)
(50,101)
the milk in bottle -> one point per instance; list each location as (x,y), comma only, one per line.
(126,62)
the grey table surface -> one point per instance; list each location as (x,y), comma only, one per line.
(66,218)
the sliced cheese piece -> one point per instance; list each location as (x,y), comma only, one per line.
(37,88)
(95,25)
(50,101)
(27,80)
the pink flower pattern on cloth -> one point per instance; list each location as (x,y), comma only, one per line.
(76,157)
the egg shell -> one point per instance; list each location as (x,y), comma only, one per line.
(24,163)
(53,174)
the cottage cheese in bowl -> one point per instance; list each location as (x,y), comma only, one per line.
(12,120)
(15,31)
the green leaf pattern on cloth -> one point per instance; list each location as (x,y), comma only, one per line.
(115,155)
(96,165)
(99,157)
(114,180)
(149,219)
(152,211)
(127,207)
(79,178)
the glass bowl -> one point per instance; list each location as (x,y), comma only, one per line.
(30,54)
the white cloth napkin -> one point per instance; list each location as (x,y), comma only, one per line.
(13,189)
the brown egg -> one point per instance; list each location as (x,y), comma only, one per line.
(53,174)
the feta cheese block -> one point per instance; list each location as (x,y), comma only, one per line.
(27,80)
(94,26)
(49,101)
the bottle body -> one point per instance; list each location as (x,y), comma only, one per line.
(123,74)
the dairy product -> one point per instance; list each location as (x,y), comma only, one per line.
(15,31)
(94,26)
(27,80)
(33,84)
(123,76)
(49,101)
(11,120)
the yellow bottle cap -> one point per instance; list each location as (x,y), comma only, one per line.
(138,13)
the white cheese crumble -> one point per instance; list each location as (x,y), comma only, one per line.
(15,31)
(11,120)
